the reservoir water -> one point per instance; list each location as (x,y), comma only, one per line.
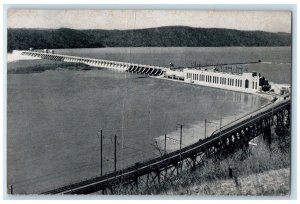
(53,117)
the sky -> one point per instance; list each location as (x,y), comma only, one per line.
(272,21)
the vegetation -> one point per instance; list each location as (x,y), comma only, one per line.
(36,66)
(260,170)
(172,36)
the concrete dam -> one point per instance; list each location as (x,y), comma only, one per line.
(222,77)
(120,66)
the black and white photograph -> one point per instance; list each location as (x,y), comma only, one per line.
(145,102)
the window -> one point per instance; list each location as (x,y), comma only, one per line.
(255,85)
(246,83)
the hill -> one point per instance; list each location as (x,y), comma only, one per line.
(172,36)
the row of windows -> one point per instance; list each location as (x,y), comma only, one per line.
(221,80)
(215,80)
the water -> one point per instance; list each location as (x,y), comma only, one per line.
(54,117)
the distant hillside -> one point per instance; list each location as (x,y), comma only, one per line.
(152,37)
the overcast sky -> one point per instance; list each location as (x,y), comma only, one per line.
(135,19)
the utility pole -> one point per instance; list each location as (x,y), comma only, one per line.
(205,129)
(220,127)
(115,153)
(165,144)
(180,143)
(101,143)
(180,137)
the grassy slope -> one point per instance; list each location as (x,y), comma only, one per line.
(258,171)
(273,182)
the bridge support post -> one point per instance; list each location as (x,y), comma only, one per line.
(267,133)
(158,176)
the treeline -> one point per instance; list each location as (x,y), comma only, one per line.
(173,36)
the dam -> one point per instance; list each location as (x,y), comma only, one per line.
(223,77)
(120,66)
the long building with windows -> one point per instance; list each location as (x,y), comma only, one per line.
(249,82)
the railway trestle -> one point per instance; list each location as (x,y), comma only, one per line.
(226,140)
